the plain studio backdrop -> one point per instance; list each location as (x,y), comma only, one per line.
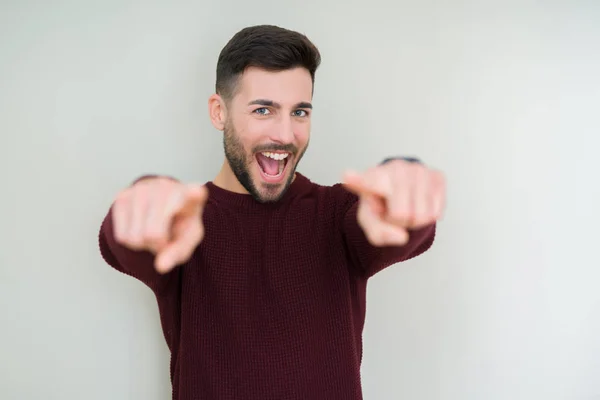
(504,97)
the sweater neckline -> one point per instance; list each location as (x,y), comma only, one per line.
(300,185)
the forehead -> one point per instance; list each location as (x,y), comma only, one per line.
(286,87)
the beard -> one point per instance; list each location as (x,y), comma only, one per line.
(240,163)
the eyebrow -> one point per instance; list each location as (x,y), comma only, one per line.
(271,103)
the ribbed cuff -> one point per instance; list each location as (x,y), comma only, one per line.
(408,159)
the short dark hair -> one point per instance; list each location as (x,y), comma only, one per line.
(264,46)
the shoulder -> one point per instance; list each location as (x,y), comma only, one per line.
(335,197)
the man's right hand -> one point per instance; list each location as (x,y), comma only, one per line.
(162,216)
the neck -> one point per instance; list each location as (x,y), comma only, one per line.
(227,180)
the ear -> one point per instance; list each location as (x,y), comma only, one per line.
(217,111)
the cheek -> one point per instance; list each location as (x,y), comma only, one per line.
(248,139)
(254,131)
(302,132)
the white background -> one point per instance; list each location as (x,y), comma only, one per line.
(504,97)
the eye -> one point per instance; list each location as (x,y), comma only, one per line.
(262,111)
(301,113)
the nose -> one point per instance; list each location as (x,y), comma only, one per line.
(284,130)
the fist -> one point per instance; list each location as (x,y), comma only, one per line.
(162,216)
(396,197)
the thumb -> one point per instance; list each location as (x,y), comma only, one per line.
(363,185)
(195,197)
(197,192)
(353,181)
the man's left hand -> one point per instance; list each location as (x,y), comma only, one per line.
(396,197)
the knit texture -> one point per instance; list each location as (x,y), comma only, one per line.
(271,305)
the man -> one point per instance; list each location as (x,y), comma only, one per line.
(260,274)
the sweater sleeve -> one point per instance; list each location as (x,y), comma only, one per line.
(137,264)
(369,259)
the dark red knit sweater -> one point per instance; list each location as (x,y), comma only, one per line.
(272,304)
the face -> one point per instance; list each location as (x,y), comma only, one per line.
(267,130)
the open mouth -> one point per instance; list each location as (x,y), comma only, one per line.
(272,165)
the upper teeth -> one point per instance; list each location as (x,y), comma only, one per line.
(275,156)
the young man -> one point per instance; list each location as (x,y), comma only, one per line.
(260,274)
